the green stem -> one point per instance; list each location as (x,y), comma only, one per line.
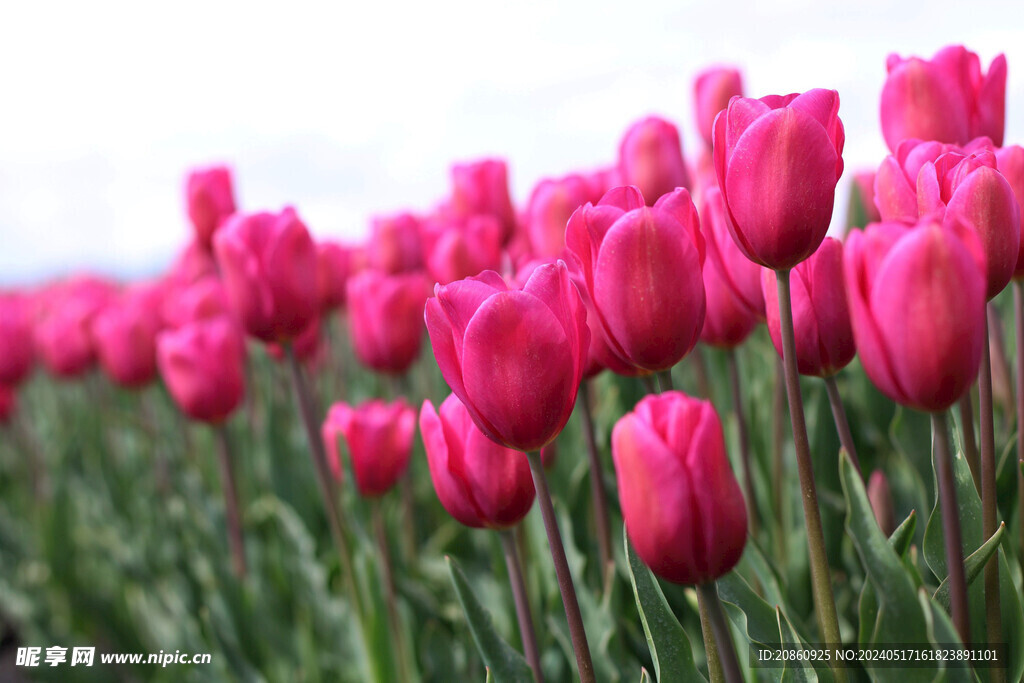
(232,511)
(599,499)
(970,444)
(778,465)
(665,379)
(388,580)
(522,602)
(952,536)
(565,584)
(707,598)
(1018,315)
(842,425)
(741,427)
(821,581)
(989,510)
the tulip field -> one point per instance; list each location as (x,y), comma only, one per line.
(653,421)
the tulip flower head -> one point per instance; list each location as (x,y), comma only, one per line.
(379,437)
(712,90)
(480,484)
(335,263)
(651,158)
(515,358)
(124,334)
(683,508)
(552,202)
(16,348)
(778,160)
(385,318)
(481,187)
(1010,162)
(394,245)
(203,365)
(459,248)
(946,98)
(210,200)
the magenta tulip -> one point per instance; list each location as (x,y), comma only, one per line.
(515,358)
(479,483)
(394,245)
(124,334)
(651,158)
(683,508)
(203,299)
(1010,161)
(335,264)
(864,187)
(552,202)
(946,98)
(456,249)
(821,316)
(379,437)
(712,90)
(210,200)
(16,347)
(268,262)
(203,365)
(63,333)
(778,160)
(916,298)
(642,269)
(481,187)
(385,318)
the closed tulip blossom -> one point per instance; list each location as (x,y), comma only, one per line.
(480,484)
(203,299)
(203,365)
(1010,162)
(683,508)
(642,270)
(916,297)
(125,336)
(515,358)
(481,187)
(394,245)
(651,158)
(210,200)
(551,204)
(778,160)
(821,317)
(379,437)
(335,263)
(63,334)
(16,346)
(268,262)
(946,98)
(386,318)
(712,90)
(456,249)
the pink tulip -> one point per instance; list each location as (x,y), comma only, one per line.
(651,158)
(16,348)
(916,298)
(210,199)
(712,90)
(385,318)
(63,334)
(778,160)
(552,202)
(642,269)
(335,264)
(205,298)
(864,187)
(192,264)
(307,346)
(683,509)
(821,317)
(515,358)
(479,483)
(946,99)
(481,187)
(1010,161)
(268,262)
(394,245)
(203,365)
(456,249)
(124,334)
(379,437)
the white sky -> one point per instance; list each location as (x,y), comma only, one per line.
(346,111)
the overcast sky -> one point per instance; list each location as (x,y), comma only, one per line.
(349,111)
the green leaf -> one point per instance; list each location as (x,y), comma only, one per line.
(867,607)
(503,662)
(666,639)
(644,676)
(904,534)
(973,565)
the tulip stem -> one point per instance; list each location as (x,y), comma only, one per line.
(395,384)
(649,385)
(387,576)
(821,581)
(951,528)
(842,425)
(232,511)
(665,380)
(1018,314)
(720,639)
(989,510)
(565,584)
(741,428)
(700,367)
(967,437)
(778,464)
(598,496)
(515,579)
(323,476)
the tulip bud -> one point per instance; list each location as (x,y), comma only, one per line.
(642,269)
(821,317)
(379,437)
(16,352)
(203,365)
(651,158)
(778,160)
(712,90)
(335,263)
(917,303)
(946,99)
(481,187)
(1010,162)
(552,202)
(479,483)
(210,199)
(268,262)
(385,318)
(456,249)
(515,358)
(125,336)
(683,508)
(394,245)
(880,497)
